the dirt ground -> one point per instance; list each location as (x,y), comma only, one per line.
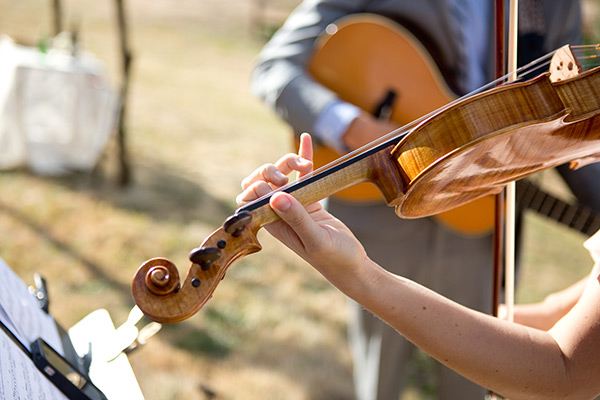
(274,329)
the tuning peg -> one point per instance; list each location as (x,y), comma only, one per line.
(205,256)
(235,224)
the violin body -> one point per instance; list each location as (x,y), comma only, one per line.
(483,142)
(461,153)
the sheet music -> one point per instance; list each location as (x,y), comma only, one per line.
(20,311)
(19,377)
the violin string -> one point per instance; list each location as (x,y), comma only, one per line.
(528,68)
(539,63)
(405,128)
(587,55)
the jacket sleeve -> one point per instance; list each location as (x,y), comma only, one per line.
(280,78)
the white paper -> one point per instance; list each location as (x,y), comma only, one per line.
(21,313)
(19,377)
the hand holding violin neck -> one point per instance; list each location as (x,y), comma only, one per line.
(156,286)
(465,151)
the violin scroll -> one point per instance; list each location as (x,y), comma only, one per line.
(156,286)
(161,276)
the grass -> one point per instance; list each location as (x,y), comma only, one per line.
(274,329)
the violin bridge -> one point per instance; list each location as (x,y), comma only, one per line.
(564,64)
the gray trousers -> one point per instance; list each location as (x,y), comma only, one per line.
(457,267)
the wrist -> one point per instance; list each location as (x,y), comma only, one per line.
(360,281)
(364,129)
(333,123)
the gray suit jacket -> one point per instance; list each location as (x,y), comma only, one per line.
(280,76)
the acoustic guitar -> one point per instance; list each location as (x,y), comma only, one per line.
(382,68)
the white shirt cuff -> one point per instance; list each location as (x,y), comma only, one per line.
(333,123)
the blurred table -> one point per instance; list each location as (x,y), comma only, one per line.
(56,110)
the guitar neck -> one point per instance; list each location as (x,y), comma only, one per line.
(578,217)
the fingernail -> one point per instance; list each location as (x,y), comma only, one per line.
(279,175)
(281,202)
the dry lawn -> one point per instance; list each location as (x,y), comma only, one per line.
(274,329)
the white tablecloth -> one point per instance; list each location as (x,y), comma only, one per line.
(56,111)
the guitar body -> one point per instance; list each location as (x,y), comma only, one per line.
(366,57)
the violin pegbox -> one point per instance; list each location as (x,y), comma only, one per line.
(564,64)
(234,225)
(163,297)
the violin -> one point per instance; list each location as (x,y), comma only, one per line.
(468,149)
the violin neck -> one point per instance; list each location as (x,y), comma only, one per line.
(375,166)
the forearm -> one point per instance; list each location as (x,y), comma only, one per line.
(513,360)
(556,305)
(510,359)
